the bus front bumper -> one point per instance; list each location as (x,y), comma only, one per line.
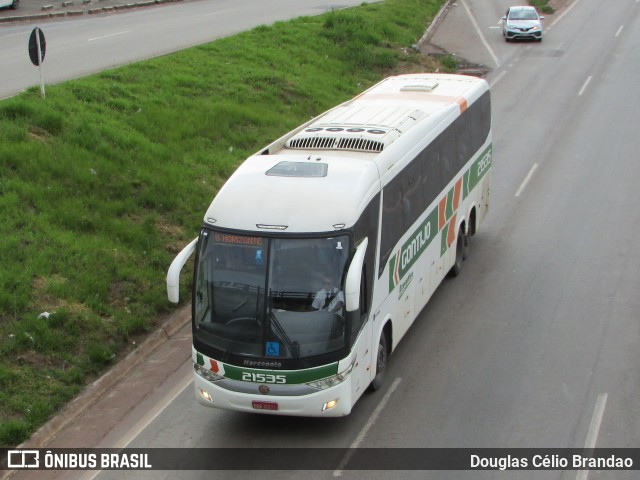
(331,402)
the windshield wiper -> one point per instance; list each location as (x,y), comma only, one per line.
(229,351)
(293,347)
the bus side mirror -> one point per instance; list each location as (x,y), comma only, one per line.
(354,278)
(173,275)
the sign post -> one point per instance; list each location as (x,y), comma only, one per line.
(37,50)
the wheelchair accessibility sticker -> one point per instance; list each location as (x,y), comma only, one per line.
(273,349)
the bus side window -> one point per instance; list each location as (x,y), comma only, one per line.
(412,195)
(392,220)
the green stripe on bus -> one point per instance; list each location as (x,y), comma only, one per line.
(449,210)
(479,168)
(292,376)
(443,239)
(465,184)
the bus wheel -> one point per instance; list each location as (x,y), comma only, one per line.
(461,253)
(381,363)
(467,246)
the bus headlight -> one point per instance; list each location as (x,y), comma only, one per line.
(333,380)
(329,405)
(206,395)
(206,374)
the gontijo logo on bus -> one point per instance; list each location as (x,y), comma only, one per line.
(404,258)
(440,219)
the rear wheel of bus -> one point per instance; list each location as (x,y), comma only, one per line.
(462,251)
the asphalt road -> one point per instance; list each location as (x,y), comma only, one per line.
(536,343)
(30,11)
(78,46)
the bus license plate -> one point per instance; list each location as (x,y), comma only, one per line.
(258,405)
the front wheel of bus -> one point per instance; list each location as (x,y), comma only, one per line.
(381,363)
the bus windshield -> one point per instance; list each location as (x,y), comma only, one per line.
(270,298)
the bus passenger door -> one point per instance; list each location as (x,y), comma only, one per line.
(358,310)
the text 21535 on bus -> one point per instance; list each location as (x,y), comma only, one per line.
(318,253)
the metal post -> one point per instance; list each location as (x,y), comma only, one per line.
(40,62)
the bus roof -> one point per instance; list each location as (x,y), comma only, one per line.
(321,176)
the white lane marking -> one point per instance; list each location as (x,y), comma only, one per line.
(526,179)
(594,429)
(585,85)
(619,31)
(477,28)
(152,414)
(564,13)
(144,422)
(363,433)
(107,36)
(497,79)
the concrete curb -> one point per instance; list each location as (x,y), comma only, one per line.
(94,391)
(89,11)
(435,23)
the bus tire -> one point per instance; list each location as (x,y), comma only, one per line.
(382,358)
(467,246)
(460,253)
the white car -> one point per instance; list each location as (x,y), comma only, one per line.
(522,23)
(9,3)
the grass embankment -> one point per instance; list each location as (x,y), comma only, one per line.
(542,6)
(105,180)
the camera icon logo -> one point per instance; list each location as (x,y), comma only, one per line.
(23,459)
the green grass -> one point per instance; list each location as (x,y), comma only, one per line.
(542,6)
(106,179)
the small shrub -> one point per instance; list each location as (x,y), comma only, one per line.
(449,63)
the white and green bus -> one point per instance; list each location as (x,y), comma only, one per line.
(378,196)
